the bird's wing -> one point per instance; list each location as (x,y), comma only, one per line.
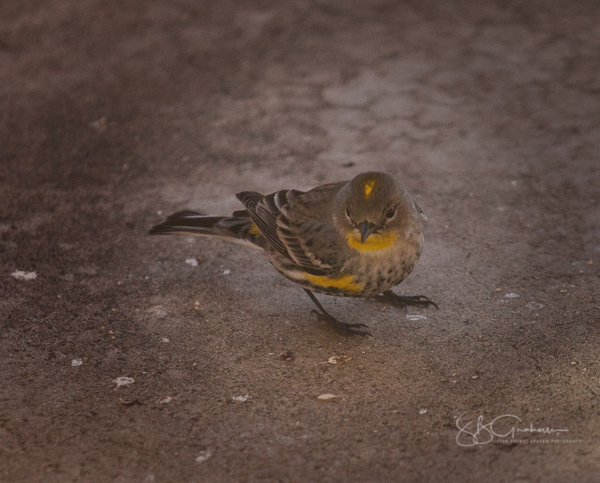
(306,228)
(296,223)
(264,211)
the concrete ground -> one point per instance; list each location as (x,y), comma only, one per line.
(114,114)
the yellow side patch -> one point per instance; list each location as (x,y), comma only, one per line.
(254,230)
(373,243)
(346,282)
(369,185)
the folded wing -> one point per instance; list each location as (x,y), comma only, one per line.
(291,238)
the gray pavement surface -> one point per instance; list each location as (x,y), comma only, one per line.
(115,114)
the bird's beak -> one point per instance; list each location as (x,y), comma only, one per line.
(365,230)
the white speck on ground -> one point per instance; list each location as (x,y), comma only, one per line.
(416,317)
(76,362)
(158,310)
(192,262)
(241,398)
(20,275)
(535,305)
(203,456)
(338,359)
(512,295)
(123,381)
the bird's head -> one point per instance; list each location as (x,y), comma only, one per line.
(373,211)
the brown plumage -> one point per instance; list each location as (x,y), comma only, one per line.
(355,238)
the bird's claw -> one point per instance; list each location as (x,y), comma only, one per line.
(405,300)
(342,327)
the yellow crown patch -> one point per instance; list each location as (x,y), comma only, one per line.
(369,185)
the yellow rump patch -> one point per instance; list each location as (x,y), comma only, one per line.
(346,282)
(373,243)
(369,185)
(254,230)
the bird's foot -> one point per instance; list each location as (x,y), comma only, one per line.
(403,301)
(342,327)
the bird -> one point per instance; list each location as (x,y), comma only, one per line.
(356,238)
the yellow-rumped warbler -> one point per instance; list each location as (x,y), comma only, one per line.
(355,238)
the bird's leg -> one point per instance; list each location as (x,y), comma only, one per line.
(403,301)
(336,324)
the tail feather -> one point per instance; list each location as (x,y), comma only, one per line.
(235,228)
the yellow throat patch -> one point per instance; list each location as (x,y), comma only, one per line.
(345,282)
(369,185)
(373,243)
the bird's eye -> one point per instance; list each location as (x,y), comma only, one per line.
(390,213)
(348,213)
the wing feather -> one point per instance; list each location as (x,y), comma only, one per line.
(264,211)
(269,213)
